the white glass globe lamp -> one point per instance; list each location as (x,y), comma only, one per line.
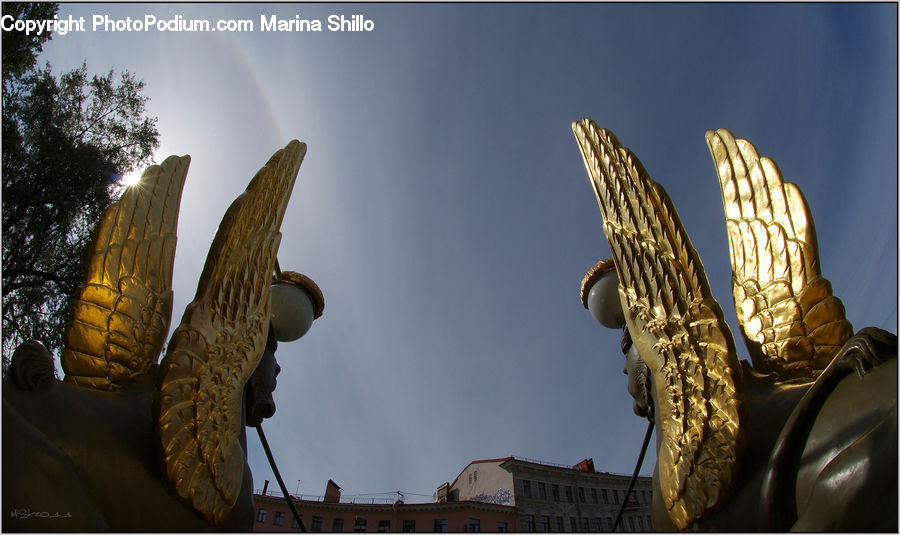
(295,301)
(600,294)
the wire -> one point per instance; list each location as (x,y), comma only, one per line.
(634,476)
(287,497)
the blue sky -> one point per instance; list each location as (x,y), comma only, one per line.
(445,212)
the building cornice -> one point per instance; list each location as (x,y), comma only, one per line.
(571,473)
(377,508)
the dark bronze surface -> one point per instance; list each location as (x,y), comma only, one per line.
(79,459)
(806,438)
(124,444)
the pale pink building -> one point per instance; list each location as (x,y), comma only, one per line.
(554,498)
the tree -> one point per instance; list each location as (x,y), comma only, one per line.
(66,143)
(20,50)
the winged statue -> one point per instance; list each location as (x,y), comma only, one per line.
(124,443)
(791,322)
(121,313)
(741,446)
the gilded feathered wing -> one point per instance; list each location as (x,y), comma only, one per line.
(677,326)
(197,406)
(791,322)
(121,313)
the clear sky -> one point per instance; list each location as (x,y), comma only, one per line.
(445,212)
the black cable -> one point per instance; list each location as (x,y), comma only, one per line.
(287,497)
(634,476)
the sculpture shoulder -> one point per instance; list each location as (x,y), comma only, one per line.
(854,432)
(64,410)
(27,504)
(91,446)
(854,406)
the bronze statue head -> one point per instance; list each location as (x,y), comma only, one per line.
(259,403)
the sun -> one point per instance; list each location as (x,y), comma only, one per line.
(130,179)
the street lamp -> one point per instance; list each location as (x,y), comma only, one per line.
(600,294)
(295,302)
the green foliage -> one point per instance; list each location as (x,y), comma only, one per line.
(20,50)
(66,142)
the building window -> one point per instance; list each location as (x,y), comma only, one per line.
(573,523)
(615,494)
(440,525)
(605,496)
(585,525)
(560,527)
(568,493)
(526,488)
(279,518)
(631,522)
(581,494)
(261,515)
(502,527)
(640,524)
(555,490)
(529,523)
(545,524)
(316,524)
(384,526)
(609,523)
(474,525)
(542,491)
(594,495)
(337,525)
(360,524)
(475,476)
(409,526)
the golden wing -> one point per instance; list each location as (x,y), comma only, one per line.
(677,326)
(197,406)
(121,313)
(792,324)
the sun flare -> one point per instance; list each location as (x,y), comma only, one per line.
(130,179)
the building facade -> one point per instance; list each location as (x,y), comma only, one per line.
(554,498)
(331,515)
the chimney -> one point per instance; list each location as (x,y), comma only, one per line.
(586,465)
(332,492)
(442,492)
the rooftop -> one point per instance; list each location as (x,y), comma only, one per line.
(586,465)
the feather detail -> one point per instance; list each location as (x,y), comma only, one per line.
(121,313)
(791,322)
(197,406)
(677,326)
